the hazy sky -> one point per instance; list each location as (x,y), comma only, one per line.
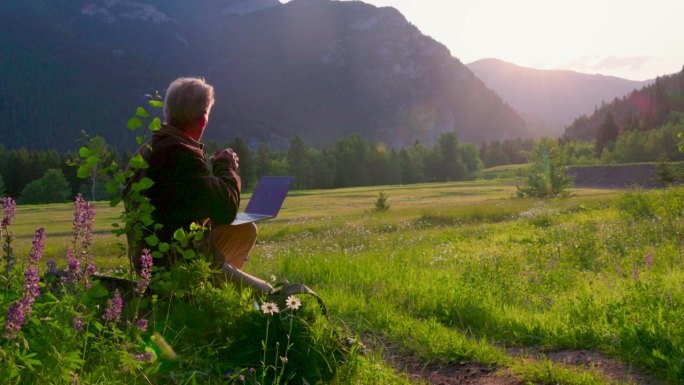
(634,39)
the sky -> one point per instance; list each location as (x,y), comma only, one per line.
(632,39)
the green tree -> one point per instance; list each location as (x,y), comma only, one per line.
(351,157)
(52,187)
(299,163)
(451,166)
(546,176)
(412,163)
(247,168)
(607,133)
(96,155)
(263,160)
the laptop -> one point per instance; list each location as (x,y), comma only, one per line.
(266,201)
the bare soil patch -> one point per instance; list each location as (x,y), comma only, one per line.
(459,373)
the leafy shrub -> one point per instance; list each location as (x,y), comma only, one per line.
(546,176)
(381,203)
(52,187)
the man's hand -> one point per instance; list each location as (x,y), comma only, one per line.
(229,155)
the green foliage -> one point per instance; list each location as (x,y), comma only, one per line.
(2,186)
(546,176)
(381,202)
(607,133)
(52,187)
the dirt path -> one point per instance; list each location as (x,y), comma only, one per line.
(473,373)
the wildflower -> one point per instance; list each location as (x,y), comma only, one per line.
(9,211)
(284,359)
(648,260)
(73,266)
(15,318)
(145,272)
(269,308)
(114,307)
(252,370)
(241,377)
(273,278)
(143,357)
(77,323)
(229,374)
(141,324)
(51,267)
(635,274)
(37,246)
(293,303)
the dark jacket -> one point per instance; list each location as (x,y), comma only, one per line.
(184,189)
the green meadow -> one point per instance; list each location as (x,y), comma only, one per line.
(463,272)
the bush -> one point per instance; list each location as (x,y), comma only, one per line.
(52,187)
(546,176)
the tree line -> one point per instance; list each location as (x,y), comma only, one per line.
(47,176)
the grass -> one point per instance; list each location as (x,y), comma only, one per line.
(461,271)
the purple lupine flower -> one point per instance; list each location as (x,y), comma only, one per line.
(77,323)
(143,357)
(31,289)
(15,318)
(141,324)
(84,217)
(9,211)
(146,264)
(635,273)
(73,267)
(51,267)
(648,260)
(37,246)
(114,307)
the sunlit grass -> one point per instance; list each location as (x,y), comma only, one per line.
(459,271)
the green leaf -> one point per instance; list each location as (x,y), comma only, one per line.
(156,103)
(137,161)
(83,172)
(141,112)
(189,254)
(179,234)
(139,139)
(112,188)
(114,201)
(146,183)
(152,240)
(155,124)
(92,160)
(156,254)
(163,247)
(134,123)
(83,152)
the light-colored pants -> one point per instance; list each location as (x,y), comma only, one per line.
(232,244)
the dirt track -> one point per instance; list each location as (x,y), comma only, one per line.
(619,176)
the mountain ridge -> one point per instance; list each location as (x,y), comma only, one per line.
(318,69)
(549,100)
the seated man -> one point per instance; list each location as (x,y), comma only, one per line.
(186,191)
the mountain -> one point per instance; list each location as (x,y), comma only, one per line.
(315,68)
(649,107)
(549,100)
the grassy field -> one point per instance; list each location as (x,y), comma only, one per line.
(464,272)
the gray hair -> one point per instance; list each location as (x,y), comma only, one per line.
(186,101)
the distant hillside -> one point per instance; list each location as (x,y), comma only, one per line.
(315,68)
(549,100)
(643,109)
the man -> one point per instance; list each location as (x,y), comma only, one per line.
(185,190)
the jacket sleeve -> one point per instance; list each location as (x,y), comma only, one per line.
(214,196)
